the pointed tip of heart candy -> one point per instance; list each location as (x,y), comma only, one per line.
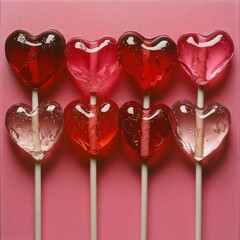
(205,57)
(35,59)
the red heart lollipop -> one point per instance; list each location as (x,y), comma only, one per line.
(92,127)
(204,57)
(35,59)
(132,119)
(19,125)
(92,63)
(148,61)
(217,121)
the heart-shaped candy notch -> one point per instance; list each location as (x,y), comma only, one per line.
(217,121)
(145,131)
(92,127)
(35,59)
(148,61)
(92,63)
(204,57)
(18,122)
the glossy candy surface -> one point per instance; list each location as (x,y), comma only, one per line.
(204,57)
(135,123)
(18,122)
(148,61)
(35,59)
(92,63)
(217,121)
(92,127)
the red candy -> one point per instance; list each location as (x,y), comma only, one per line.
(145,131)
(35,59)
(204,57)
(92,127)
(148,61)
(92,63)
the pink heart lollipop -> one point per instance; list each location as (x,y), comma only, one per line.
(200,129)
(92,63)
(204,57)
(19,125)
(217,121)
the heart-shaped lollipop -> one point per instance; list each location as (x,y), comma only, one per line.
(35,59)
(92,127)
(92,63)
(204,57)
(217,121)
(18,122)
(131,122)
(148,61)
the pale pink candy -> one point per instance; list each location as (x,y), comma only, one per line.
(92,63)
(18,122)
(217,121)
(204,57)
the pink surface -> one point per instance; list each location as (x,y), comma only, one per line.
(65,182)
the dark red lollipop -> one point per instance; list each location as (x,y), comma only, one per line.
(35,59)
(148,61)
(133,121)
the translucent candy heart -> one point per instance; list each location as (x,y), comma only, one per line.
(92,63)
(35,59)
(204,57)
(145,131)
(19,120)
(92,127)
(148,61)
(216,121)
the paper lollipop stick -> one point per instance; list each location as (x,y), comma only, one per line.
(199,145)
(93,173)
(203,58)
(37,148)
(35,60)
(92,64)
(144,173)
(199,155)
(148,61)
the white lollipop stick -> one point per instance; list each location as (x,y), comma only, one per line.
(145,152)
(198,155)
(93,187)
(144,201)
(199,144)
(144,173)
(37,148)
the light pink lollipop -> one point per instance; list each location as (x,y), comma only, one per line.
(199,129)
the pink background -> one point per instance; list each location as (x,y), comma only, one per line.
(65,182)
